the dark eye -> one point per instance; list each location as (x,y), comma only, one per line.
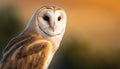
(59,18)
(46,18)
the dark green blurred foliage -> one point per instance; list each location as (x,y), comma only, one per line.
(74,54)
(10,25)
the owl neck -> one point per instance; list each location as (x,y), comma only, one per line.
(56,40)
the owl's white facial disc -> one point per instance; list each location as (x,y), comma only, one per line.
(51,20)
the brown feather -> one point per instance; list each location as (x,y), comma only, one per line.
(25,54)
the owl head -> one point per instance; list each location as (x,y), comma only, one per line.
(49,21)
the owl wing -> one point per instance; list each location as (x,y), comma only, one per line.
(28,53)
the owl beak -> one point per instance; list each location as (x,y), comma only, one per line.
(53,27)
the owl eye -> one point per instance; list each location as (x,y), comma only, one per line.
(59,18)
(46,18)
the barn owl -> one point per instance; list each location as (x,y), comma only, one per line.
(36,45)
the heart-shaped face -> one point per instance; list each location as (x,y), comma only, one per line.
(51,20)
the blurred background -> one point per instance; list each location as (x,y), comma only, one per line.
(92,38)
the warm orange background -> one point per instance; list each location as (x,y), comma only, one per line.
(95,21)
